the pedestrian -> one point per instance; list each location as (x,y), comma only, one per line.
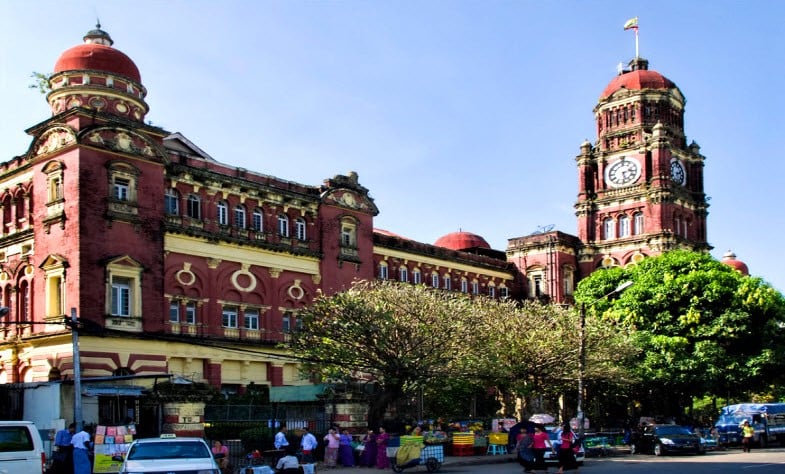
(221,455)
(81,447)
(566,454)
(288,464)
(308,445)
(382,461)
(540,443)
(332,442)
(748,434)
(280,441)
(345,449)
(524,450)
(368,457)
(62,459)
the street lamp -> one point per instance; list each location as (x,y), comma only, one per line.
(582,351)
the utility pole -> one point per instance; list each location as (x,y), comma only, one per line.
(77,372)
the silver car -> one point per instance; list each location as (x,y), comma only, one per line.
(169,455)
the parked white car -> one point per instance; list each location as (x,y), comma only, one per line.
(21,448)
(169,454)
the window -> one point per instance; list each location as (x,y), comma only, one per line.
(475,287)
(447,282)
(609,228)
(174,312)
(190,313)
(257,220)
(286,323)
(382,271)
(491,291)
(536,282)
(403,274)
(504,293)
(435,280)
(120,189)
(239,217)
(567,281)
(624,226)
(637,223)
(299,228)
(229,317)
(416,276)
(54,270)
(283,225)
(194,209)
(124,291)
(121,297)
(55,188)
(251,319)
(222,212)
(172,202)
(464,285)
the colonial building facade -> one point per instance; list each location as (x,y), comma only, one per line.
(193,268)
(181,265)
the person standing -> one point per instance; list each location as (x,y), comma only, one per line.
(748,434)
(62,459)
(567,461)
(81,445)
(280,441)
(333,442)
(345,450)
(525,452)
(308,445)
(368,457)
(382,461)
(540,441)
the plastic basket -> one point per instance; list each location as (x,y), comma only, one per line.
(463,438)
(498,438)
(411,440)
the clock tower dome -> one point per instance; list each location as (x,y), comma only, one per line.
(640,184)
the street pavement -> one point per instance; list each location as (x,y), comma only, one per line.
(448,461)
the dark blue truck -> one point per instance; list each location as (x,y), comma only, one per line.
(768,419)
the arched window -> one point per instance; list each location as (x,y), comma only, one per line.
(239,217)
(416,276)
(172,202)
(222,211)
(447,282)
(464,285)
(624,226)
(299,228)
(383,273)
(435,280)
(403,274)
(283,225)
(194,209)
(609,228)
(257,220)
(637,223)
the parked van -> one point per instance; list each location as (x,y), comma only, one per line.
(21,448)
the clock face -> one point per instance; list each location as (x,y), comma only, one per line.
(678,174)
(623,172)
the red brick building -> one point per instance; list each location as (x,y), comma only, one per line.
(191,267)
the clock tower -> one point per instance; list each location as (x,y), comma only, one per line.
(640,185)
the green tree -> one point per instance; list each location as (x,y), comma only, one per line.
(399,336)
(701,326)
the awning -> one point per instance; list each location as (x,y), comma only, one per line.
(113,391)
(296,393)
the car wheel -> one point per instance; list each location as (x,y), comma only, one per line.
(658,450)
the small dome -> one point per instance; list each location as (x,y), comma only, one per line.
(461,241)
(97,54)
(639,78)
(730,259)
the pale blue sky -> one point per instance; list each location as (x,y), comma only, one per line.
(455,114)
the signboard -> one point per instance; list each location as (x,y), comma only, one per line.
(111,441)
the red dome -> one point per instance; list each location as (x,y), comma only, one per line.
(98,57)
(638,80)
(730,259)
(462,241)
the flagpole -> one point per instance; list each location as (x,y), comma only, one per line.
(637,55)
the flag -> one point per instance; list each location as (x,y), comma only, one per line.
(632,24)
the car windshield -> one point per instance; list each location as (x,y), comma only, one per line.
(168,450)
(671,430)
